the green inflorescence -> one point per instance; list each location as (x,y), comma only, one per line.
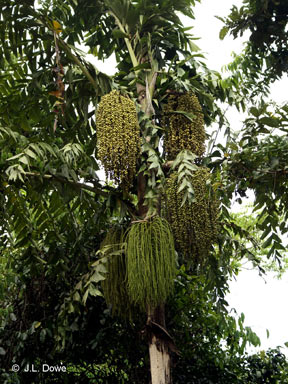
(151,263)
(114,286)
(194,225)
(118,137)
(182,133)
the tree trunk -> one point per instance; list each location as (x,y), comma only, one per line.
(158,347)
(159,361)
(159,338)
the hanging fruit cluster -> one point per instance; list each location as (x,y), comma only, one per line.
(114,286)
(151,262)
(181,132)
(118,137)
(141,275)
(194,225)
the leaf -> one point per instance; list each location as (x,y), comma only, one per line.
(268,242)
(223,32)
(79,285)
(102,268)
(57,27)
(183,185)
(193,46)
(155,164)
(94,291)
(37,325)
(190,116)
(15,157)
(265,233)
(24,160)
(31,154)
(48,148)
(184,199)
(142,168)
(76,296)
(118,34)
(255,112)
(96,277)
(42,335)
(85,296)
(270,121)
(180,72)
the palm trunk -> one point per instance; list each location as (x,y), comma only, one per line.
(158,347)
(159,361)
(157,334)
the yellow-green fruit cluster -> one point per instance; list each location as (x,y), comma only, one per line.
(194,225)
(183,133)
(118,137)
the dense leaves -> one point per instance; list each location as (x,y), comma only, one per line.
(266,20)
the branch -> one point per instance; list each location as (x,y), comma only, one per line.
(68,51)
(130,207)
(127,41)
(62,179)
(78,62)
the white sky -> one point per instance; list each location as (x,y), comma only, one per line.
(262,301)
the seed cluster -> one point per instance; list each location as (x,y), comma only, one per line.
(182,133)
(194,225)
(118,137)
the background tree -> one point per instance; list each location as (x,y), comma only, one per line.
(265,54)
(257,158)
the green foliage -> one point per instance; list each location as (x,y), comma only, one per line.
(185,165)
(151,262)
(212,350)
(260,249)
(260,163)
(118,137)
(102,373)
(265,55)
(266,367)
